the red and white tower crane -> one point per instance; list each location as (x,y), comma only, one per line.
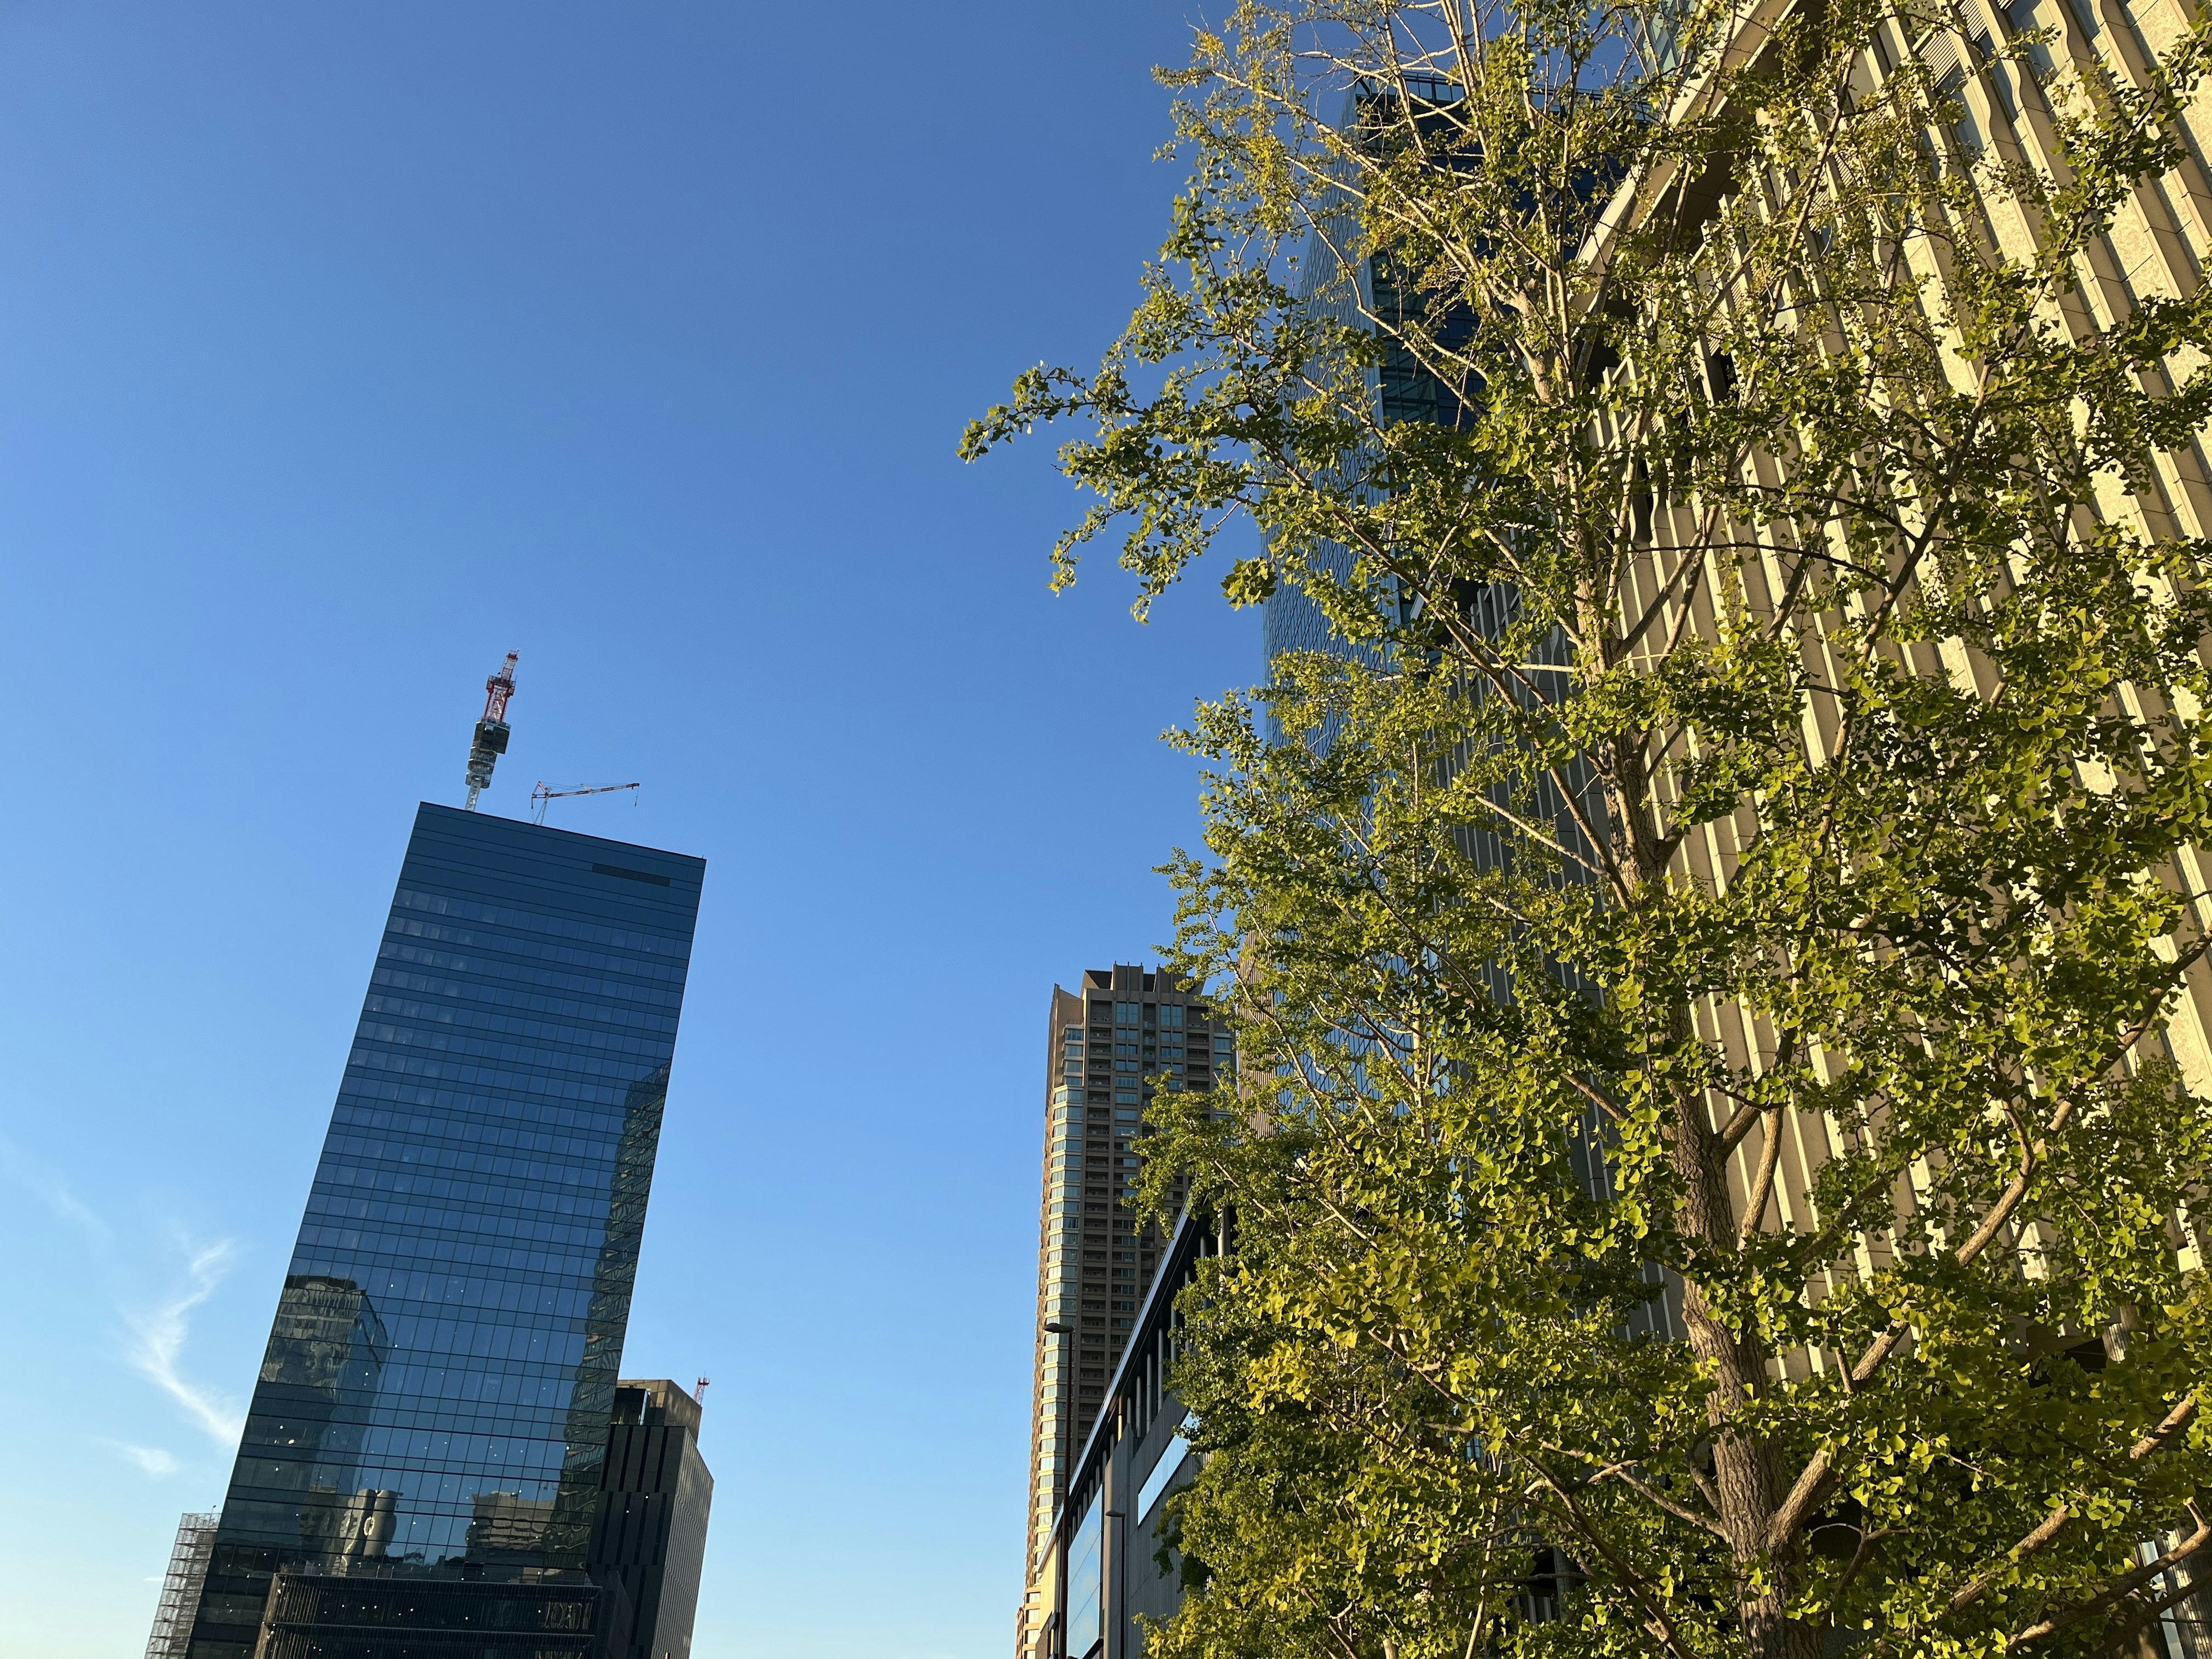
(490,742)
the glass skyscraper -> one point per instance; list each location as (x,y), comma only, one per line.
(435,1397)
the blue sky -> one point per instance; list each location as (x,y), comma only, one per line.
(343,350)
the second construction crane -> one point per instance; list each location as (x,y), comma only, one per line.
(544,792)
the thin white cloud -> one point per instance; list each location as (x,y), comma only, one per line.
(157,1340)
(51,1189)
(152,1459)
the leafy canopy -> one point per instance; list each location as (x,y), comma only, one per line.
(1711,1173)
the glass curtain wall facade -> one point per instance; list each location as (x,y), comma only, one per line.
(1402,389)
(435,1396)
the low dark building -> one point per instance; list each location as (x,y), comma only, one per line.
(649,1536)
(635,1600)
(312,1615)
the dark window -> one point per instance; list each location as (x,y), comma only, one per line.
(629,875)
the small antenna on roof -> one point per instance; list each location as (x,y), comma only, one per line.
(490,741)
(699,1392)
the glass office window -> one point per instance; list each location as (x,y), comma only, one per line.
(1086,1564)
(1163,1470)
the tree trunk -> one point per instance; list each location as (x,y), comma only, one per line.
(1745,1480)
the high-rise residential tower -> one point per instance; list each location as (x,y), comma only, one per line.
(1109,1045)
(426,1434)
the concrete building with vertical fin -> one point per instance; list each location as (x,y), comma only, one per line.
(650,1533)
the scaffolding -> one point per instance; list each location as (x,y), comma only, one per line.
(180,1590)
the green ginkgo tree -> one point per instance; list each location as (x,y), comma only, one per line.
(1715,931)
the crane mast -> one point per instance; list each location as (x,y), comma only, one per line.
(491,734)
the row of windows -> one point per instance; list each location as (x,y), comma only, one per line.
(428,1337)
(428,1506)
(425,1325)
(1070,1252)
(1129,1050)
(502,945)
(428,1020)
(468,1139)
(548,1085)
(580,1161)
(507,989)
(265,1477)
(539,1414)
(433,1219)
(416,1536)
(458,1450)
(486,970)
(407,1386)
(1068,1136)
(539,921)
(1170,1014)
(451,1007)
(1170,1046)
(504,1295)
(319,1248)
(1070,1117)
(332,1191)
(340,1187)
(454,1106)
(504,1038)
(635,1057)
(343,1180)
(475,1120)
(346,1226)
(534,1071)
